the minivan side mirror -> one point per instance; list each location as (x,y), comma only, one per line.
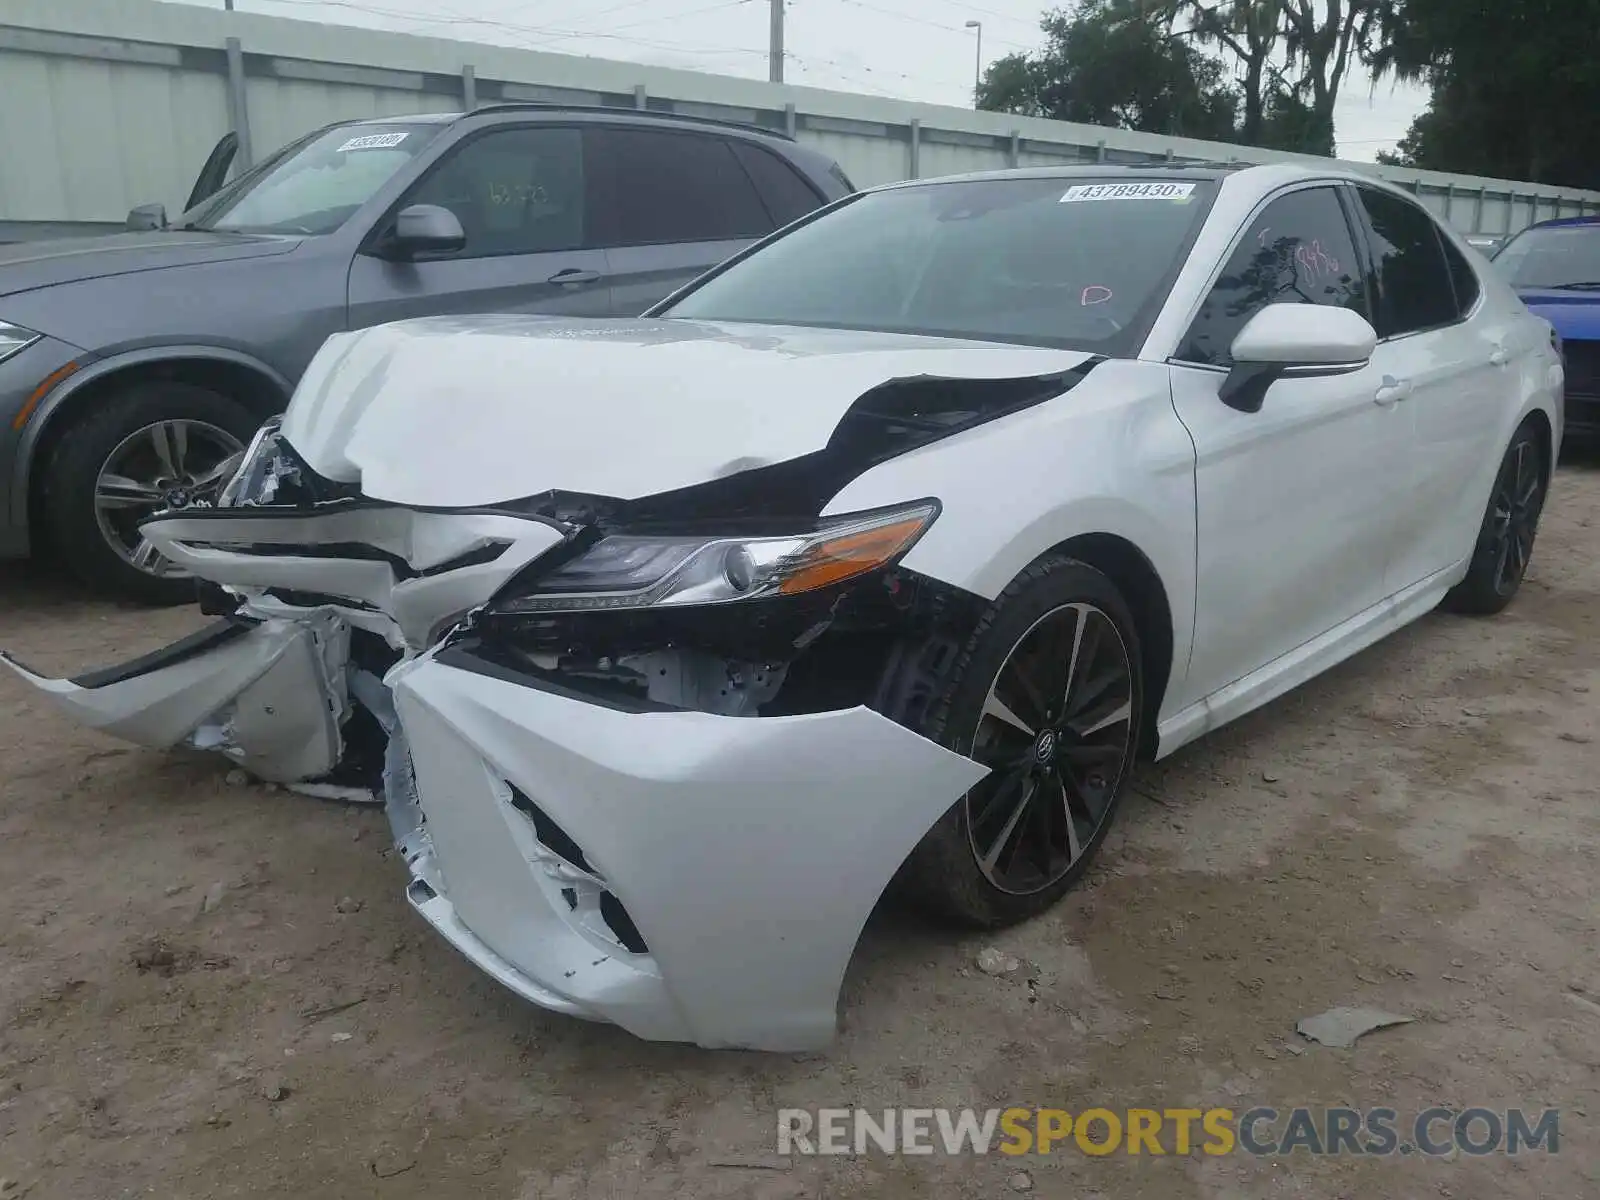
(425,229)
(1294,340)
(148,216)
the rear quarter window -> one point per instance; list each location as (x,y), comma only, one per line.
(786,194)
(1463,278)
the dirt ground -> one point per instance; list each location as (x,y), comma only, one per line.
(214,990)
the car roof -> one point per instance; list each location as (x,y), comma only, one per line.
(1261,176)
(1558,222)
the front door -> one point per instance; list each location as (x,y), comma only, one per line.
(214,173)
(522,196)
(1294,501)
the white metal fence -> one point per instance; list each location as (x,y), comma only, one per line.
(105,104)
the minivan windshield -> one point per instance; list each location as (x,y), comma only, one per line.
(1076,263)
(318,187)
(1552,256)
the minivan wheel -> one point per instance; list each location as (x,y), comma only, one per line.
(156,445)
(1510,524)
(1049,695)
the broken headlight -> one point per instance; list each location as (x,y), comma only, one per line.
(624,571)
(262,467)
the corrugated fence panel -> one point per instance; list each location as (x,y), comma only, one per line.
(283,109)
(85,140)
(105,106)
(940,158)
(868,161)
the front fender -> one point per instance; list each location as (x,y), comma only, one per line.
(1109,457)
(96,369)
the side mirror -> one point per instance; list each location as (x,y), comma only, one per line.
(1294,340)
(426,229)
(148,216)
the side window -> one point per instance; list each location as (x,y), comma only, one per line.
(787,195)
(1414,288)
(1462,276)
(515,191)
(678,187)
(1297,250)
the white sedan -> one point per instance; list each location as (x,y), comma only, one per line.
(877,556)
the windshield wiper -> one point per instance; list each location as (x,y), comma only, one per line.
(1581,286)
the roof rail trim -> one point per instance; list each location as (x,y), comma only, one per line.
(617,111)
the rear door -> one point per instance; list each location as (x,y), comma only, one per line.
(671,204)
(524,198)
(1455,375)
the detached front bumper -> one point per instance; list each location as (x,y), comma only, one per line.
(687,876)
(738,857)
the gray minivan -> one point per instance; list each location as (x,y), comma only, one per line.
(134,367)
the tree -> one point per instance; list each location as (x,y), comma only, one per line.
(1322,47)
(1163,66)
(1515,87)
(1249,30)
(1115,63)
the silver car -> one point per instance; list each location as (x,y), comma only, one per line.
(135,367)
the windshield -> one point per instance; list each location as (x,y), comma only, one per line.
(318,187)
(1075,263)
(1555,256)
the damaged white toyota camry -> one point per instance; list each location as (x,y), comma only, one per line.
(875,557)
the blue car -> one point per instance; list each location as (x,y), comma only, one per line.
(1555,268)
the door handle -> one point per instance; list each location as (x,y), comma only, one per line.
(1391,390)
(1500,357)
(574,275)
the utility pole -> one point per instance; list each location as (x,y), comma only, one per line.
(228,4)
(775,44)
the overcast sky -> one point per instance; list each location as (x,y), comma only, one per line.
(911,49)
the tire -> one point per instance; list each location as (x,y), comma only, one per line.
(84,542)
(1506,535)
(1026,629)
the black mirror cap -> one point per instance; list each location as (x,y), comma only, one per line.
(426,229)
(148,216)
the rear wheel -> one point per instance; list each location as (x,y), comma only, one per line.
(154,446)
(1510,524)
(1049,695)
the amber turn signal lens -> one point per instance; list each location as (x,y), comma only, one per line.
(849,555)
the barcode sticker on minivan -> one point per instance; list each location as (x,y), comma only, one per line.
(374,141)
(1078,193)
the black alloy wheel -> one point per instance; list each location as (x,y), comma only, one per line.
(1056,729)
(1049,695)
(1510,525)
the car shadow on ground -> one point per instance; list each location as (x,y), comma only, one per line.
(41,583)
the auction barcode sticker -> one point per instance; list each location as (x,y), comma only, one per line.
(1126,191)
(373,141)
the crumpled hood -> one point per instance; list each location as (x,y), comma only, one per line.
(459,412)
(1575,314)
(25,266)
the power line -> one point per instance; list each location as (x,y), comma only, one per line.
(550,35)
(969,9)
(888,12)
(693,12)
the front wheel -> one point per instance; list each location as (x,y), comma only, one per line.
(1510,524)
(154,446)
(1049,694)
